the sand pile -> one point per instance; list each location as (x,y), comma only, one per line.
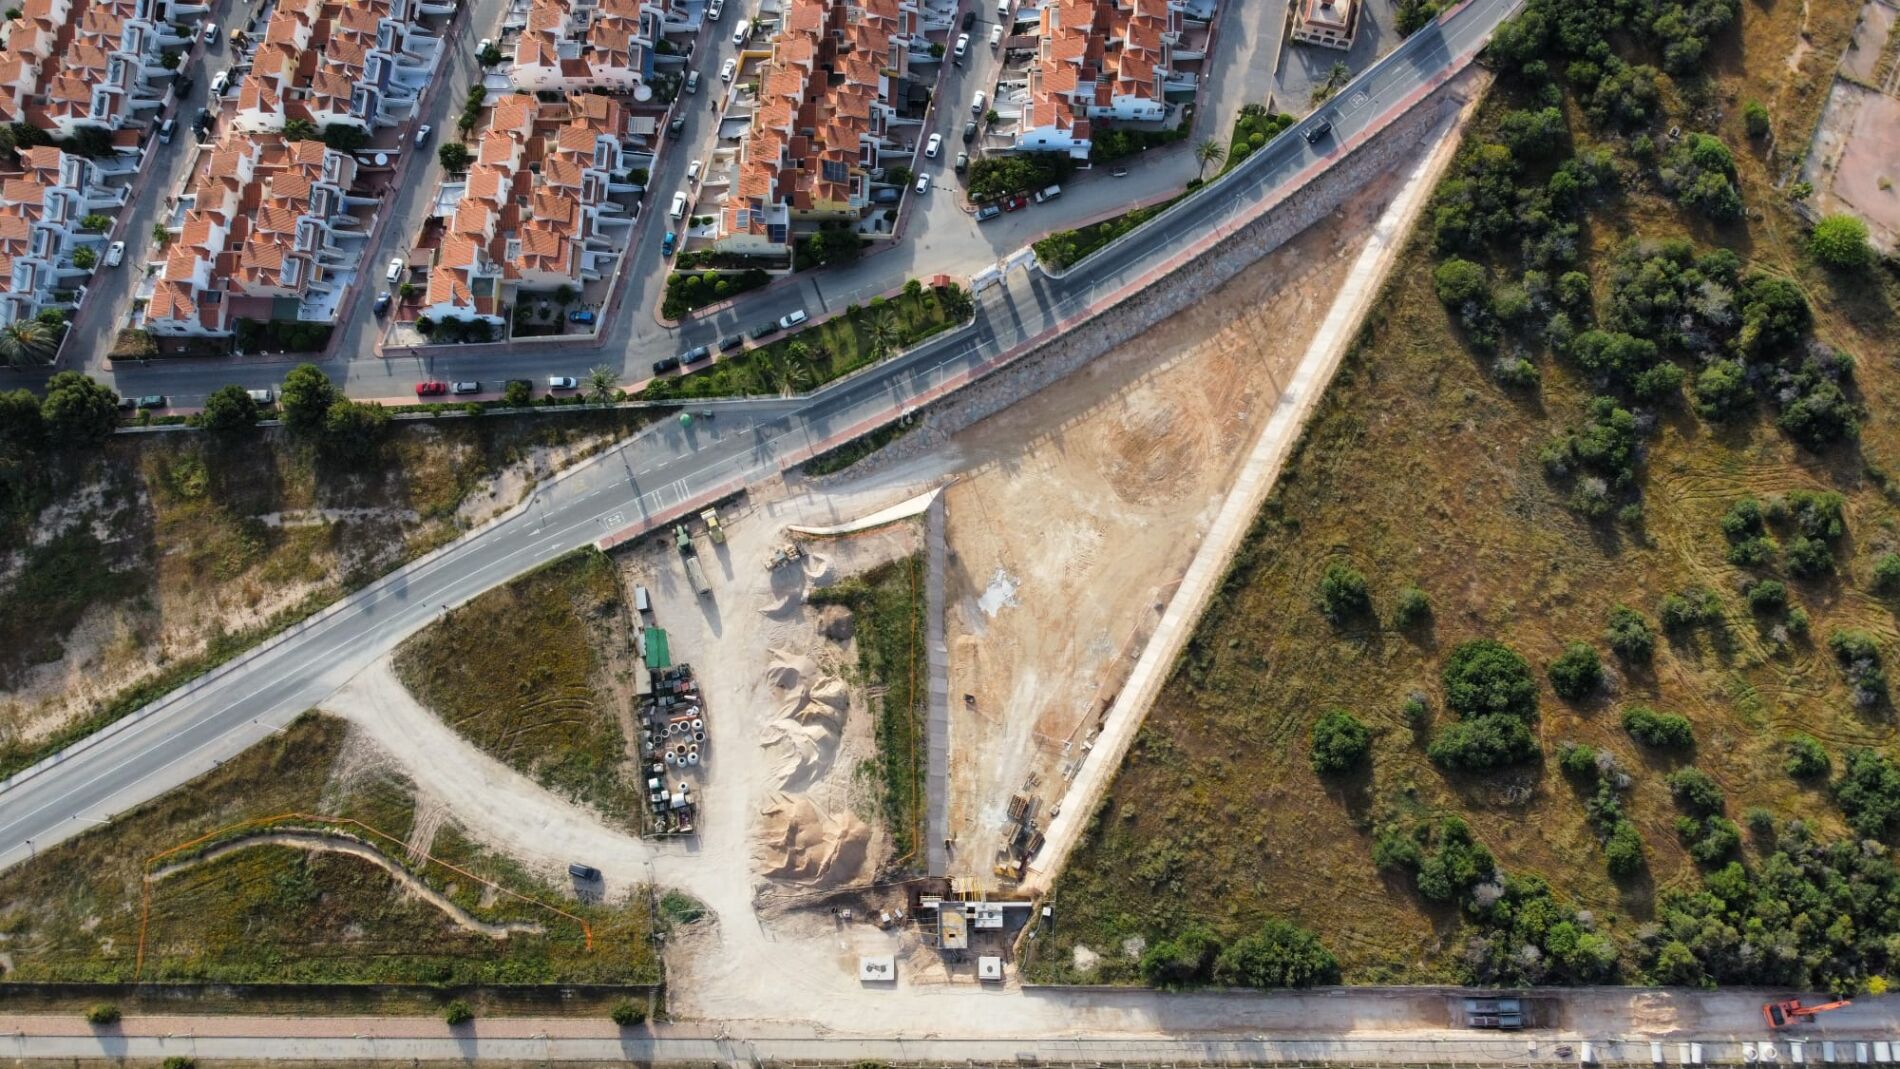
(800,752)
(798,842)
(802,735)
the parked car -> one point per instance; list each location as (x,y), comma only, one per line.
(115,254)
(765,330)
(963,162)
(465,387)
(665,364)
(563,382)
(395,270)
(165,131)
(969,19)
(693,169)
(742,31)
(731,342)
(668,242)
(382,304)
(1002,10)
(692,81)
(581,315)
(431,388)
(265,396)
(677,126)
(220,82)
(923,182)
(210,34)
(727,68)
(150,400)
(962,46)
(678,208)
(931,146)
(792,319)
(996,35)
(695,354)
(1048,194)
(485,45)
(422,134)
(987,212)
(1015,202)
(1119,172)
(1312,136)
(583,872)
(715,9)
(977,102)
(969,131)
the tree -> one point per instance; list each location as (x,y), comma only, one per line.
(160,235)
(230,412)
(22,427)
(1869,793)
(1342,592)
(453,155)
(306,397)
(354,430)
(1755,119)
(489,56)
(95,221)
(1412,608)
(85,258)
(457,1012)
(1279,954)
(25,342)
(1695,792)
(1576,672)
(517,394)
(1459,282)
(1664,731)
(103,1013)
(1340,743)
(1484,676)
(602,384)
(884,333)
(169,60)
(1840,241)
(1207,153)
(299,129)
(78,411)
(1623,850)
(1629,635)
(345,137)
(1807,758)
(1182,960)
(627,1014)
(1479,743)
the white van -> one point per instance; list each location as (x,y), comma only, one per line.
(742,31)
(1048,194)
(220,82)
(679,206)
(1002,9)
(976,104)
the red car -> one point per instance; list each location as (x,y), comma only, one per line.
(431,389)
(1013,203)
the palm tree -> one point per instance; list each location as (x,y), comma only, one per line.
(603,383)
(1337,75)
(25,342)
(884,334)
(1208,151)
(958,305)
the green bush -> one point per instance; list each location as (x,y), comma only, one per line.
(457,1012)
(1576,672)
(229,413)
(1809,558)
(1342,593)
(1629,635)
(1484,676)
(78,412)
(1695,792)
(1340,743)
(1768,596)
(1868,792)
(1623,850)
(1755,119)
(1578,761)
(1694,607)
(1887,573)
(1665,731)
(1411,609)
(627,1014)
(1859,658)
(1840,241)
(1710,839)
(1807,758)
(1479,743)
(1279,954)
(102,1013)
(1182,961)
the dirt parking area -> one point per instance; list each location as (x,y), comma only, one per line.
(1080,510)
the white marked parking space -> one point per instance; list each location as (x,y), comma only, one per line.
(1357,100)
(614,519)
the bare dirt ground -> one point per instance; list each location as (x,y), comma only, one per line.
(1081,508)
(1854,160)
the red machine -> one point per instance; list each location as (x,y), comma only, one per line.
(1791,1011)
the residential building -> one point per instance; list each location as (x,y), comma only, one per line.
(573,45)
(41,210)
(1328,23)
(359,63)
(831,95)
(1102,59)
(265,221)
(68,64)
(536,211)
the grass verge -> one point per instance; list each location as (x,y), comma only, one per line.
(888,603)
(1066,248)
(526,673)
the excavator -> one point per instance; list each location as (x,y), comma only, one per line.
(1791,1011)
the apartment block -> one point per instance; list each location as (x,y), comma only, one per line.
(1102,59)
(41,209)
(831,95)
(67,64)
(574,45)
(535,212)
(359,63)
(265,223)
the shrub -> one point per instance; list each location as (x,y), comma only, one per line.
(1342,593)
(1809,558)
(1279,954)
(1394,851)
(1767,596)
(457,1012)
(1623,850)
(102,1013)
(1695,791)
(179,1061)
(1859,659)
(1629,635)
(1700,170)
(1578,761)
(1755,119)
(1340,743)
(1576,672)
(1484,676)
(1807,758)
(1413,607)
(1181,961)
(1483,742)
(1887,573)
(1693,607)
(1869,793)
(1415,711)
(1665,731)
(626,1013)
(1840,241)
(1710,839)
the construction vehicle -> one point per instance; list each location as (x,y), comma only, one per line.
(713,530)
(1790,1011)
(695,575)
(783,555)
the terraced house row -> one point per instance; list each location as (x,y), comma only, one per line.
(535,212)
(359,63)
(569,45)
(1105,59)
(830,109)
(42,224)
(67,64)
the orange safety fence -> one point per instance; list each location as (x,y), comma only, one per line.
(145,904)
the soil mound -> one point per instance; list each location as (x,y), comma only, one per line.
(800,843)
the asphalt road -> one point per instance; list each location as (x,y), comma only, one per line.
(185,733)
